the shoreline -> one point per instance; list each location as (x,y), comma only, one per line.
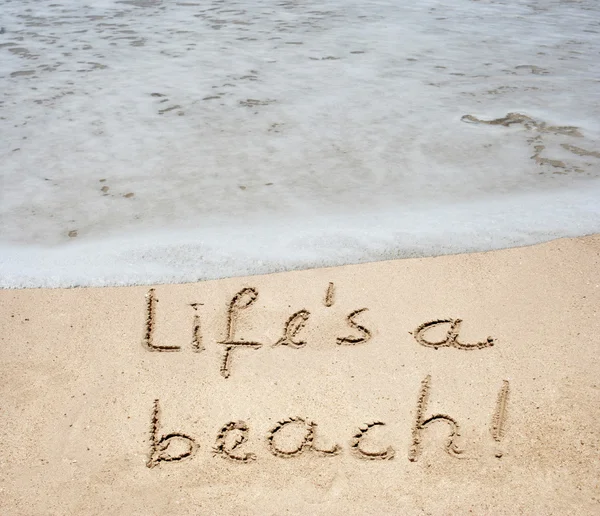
(250,248)
(551,240)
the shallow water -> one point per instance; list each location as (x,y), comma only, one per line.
(147,141)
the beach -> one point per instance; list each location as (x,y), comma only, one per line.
(266,257)
(444,385)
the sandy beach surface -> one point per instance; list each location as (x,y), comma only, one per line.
(450,385)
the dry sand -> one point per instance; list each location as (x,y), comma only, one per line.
(515,420)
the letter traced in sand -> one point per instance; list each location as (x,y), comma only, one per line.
(355,443)
(421,423)
(307,442)
(500,413)
(148,340)
(197,345)
(226,448)
(353,340)
(242,300)
(292,327)
(451,339)
(330,295)
(159,445)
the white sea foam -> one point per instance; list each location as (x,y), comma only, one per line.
(260,136)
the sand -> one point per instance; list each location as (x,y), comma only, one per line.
(312,392)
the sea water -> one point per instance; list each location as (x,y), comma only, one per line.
(155,141)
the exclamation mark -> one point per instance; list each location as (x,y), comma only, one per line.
(499,417)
